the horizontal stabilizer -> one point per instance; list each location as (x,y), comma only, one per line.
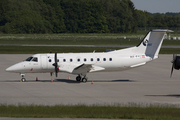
(138,64)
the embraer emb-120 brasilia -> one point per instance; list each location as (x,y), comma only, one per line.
(82,63)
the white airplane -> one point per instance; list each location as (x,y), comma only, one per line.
(82,63)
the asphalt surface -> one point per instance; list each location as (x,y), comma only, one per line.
(148,84)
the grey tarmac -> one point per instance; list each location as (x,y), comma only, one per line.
(149,84)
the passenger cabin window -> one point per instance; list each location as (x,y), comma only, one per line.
(104,59)
(64,60)
(85,59)
(49,60)
(29,59)
(91,59)
(110,59)
(35,59)
(78,60)
(57,60)
(71,60)
(98,59)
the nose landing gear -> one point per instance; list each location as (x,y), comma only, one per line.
(23,79)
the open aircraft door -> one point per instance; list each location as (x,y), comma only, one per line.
(43,61)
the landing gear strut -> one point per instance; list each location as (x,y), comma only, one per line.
(84,79)
(23,79)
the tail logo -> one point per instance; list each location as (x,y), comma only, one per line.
(145,42)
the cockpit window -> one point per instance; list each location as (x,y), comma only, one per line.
(29,59)
(35,59)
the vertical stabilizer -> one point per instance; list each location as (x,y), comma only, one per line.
(151,44)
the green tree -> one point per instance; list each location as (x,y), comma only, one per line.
(3,7)
(55,15)
(26,16)
(24,22)
(120,15)
(84,16)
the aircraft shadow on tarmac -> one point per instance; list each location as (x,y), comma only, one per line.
(170,95)
(72,81)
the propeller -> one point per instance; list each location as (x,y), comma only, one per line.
(51,72)
(173,63)
(55,64)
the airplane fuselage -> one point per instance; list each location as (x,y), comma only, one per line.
(41,63)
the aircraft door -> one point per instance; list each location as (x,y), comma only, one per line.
(43,61)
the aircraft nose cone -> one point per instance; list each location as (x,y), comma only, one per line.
(10,69)
(14,68)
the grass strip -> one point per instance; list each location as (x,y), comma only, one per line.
(169,51)
(41,49)
(76,39)
(156,112)
(73,41)
(82,41)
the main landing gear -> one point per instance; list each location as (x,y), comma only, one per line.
(23,79)
(84,79)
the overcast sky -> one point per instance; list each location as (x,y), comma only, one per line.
(160,6)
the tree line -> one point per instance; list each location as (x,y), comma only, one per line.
(78,16)
(157,20)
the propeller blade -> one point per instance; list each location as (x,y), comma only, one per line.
(56,71)
(174,57)
(51,74)
(55,57)
(173,62)
(55,64)
(172,70)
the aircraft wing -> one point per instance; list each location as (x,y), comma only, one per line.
(79,68)
(85,68)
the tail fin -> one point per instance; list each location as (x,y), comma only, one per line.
(151,44)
